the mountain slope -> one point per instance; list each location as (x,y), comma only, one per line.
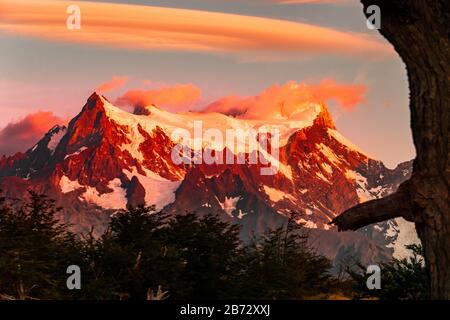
(107,159)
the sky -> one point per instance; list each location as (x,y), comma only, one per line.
(197,54)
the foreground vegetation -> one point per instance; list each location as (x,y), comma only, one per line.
(145,255)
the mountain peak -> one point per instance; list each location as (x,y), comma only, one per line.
(55,129)
(91,121)
(94,96)
(324,118)
(96,101)
(108,159)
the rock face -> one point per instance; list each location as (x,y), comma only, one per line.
(108,159)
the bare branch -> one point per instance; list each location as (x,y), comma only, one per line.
(393,206)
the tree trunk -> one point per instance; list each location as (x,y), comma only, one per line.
(419,31)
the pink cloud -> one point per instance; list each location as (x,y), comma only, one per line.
(174,29)
(348,96)
(287,101)
(179,97)
(23,134)
(231,105)
(115,83)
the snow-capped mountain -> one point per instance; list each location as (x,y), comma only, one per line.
(108,158)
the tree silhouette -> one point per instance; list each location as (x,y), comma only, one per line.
(281,265)
(401,279)
(35,250)
(419,31)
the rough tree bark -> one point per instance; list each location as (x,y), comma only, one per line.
(420,31)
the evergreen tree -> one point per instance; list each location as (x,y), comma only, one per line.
(144,252)
(35,250)
(401,279)
(130,259)
(282,266)
(208,249)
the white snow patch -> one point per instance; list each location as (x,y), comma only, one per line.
(406,234)
(241,214)
(321,176)
(68,185)
(391,231)
(114,200)
(327,152)
(286,170)
(76,152)
(327,168)
(303,191)
(377,227)
(308,224)
(276,195)
(158,191)
(229,205)
(326,226)
(169,122)
(55,139)
(213,176)
(117,199)
(361,185)
(377,192)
